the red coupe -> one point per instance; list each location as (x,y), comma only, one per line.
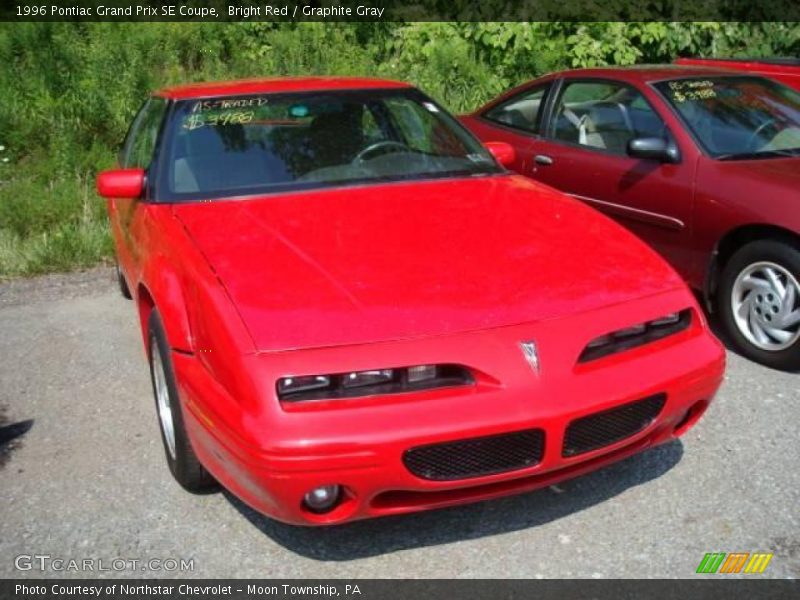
(703,164)
(351,309)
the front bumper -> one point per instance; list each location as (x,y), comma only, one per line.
(270,459)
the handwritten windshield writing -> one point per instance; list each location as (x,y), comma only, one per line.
(231,117)
(692,90)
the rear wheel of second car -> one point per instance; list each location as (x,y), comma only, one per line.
(759,302)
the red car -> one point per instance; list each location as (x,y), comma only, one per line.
(351,309)
(702,164)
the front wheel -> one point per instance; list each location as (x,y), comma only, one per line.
(182,461)
(123,285)
(759,302)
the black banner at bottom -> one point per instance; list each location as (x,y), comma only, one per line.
(379,589)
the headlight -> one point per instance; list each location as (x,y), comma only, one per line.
(292,385)
(371,382)
(421,373)
(362,378)
(636,335)
(630,331)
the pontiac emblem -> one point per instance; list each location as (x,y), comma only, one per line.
(529,350)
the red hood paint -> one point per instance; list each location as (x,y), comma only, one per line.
(783,172)
(387,262)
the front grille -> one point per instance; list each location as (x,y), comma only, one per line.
(476,456)
(610,426)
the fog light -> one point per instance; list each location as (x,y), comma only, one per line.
(323,498)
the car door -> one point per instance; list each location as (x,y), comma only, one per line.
(584,153)
(515,120)
(126,214)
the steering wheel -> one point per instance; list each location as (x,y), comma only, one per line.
(387,144)
(759,130)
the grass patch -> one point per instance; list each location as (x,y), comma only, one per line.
(51,225)
(70,90)
(66,247)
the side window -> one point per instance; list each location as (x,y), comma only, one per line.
(520,112)
(604,116)
(140,144)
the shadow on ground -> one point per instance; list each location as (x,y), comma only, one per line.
(10,435)
(380,536)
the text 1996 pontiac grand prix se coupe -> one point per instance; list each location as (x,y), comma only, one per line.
(351,310)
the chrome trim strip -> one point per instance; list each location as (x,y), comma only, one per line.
(635,214)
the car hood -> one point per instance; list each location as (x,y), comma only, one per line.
(780,171)
(396,261)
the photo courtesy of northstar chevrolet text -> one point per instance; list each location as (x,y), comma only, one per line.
(355,293)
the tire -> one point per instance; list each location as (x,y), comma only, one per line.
(759,302)
(181,459)
(123,285)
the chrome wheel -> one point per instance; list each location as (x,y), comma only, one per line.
(765,301)
(162,398)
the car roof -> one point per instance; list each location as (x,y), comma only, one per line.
(774,60)
(648,73)
(276,85)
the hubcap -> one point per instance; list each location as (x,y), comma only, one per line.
(162,399)
(766,306)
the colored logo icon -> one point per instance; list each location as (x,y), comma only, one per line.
(735,562)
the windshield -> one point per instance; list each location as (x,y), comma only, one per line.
(738,117)
(240,145)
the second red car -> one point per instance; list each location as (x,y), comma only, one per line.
(702,164)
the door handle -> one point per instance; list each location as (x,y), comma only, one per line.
(543,159)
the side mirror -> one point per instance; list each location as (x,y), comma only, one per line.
(121,183)
(503,153)
(653,148)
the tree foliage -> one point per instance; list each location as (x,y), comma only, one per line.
(71,89)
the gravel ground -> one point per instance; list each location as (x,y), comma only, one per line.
(85,477)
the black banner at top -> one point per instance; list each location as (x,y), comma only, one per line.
(400,10)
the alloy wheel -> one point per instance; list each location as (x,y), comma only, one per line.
(162,398)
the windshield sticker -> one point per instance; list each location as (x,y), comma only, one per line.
(692,90)
(431,107)
(229,103)
(298,111)
(230,117)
